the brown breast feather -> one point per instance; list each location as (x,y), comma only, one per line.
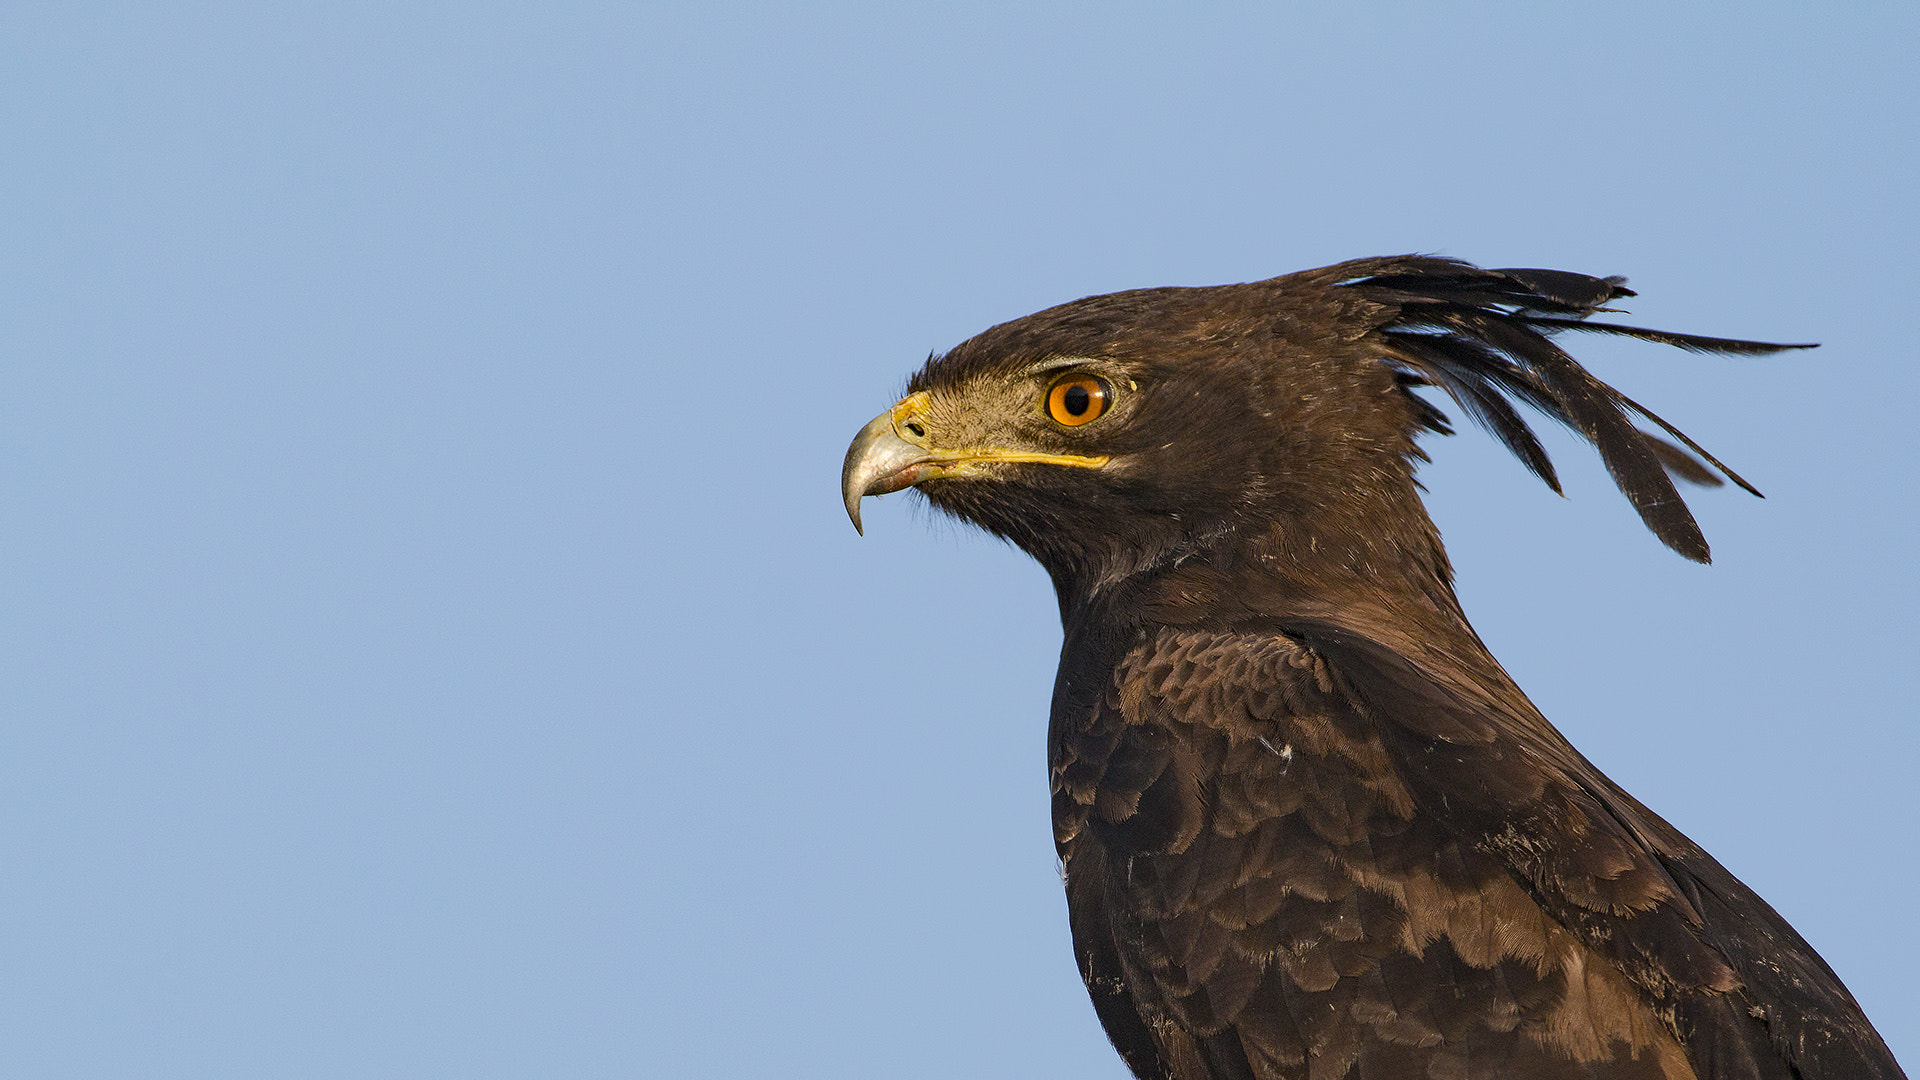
(1260,888)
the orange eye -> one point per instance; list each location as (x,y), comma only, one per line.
(1078,399)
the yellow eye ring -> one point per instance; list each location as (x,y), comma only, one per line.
(1078,399)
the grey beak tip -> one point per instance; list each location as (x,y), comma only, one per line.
(850,493)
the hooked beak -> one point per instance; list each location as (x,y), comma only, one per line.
(883,457)
(893,452)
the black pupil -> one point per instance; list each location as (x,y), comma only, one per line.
(1077,400)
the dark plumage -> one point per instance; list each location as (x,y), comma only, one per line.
(1309,827)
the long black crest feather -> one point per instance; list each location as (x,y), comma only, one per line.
(1484,336)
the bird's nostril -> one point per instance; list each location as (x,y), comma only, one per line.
(917,430)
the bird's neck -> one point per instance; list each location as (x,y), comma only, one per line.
(1278,571)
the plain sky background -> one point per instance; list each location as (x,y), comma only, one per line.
(433,644)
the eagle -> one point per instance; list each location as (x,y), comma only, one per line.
(1307,825)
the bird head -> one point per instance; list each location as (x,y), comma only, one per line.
(1276,421)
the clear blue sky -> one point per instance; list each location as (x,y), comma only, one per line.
(433,644)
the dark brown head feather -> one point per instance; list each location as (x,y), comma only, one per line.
(1485,335)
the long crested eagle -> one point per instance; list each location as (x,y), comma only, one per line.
(1309,827)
